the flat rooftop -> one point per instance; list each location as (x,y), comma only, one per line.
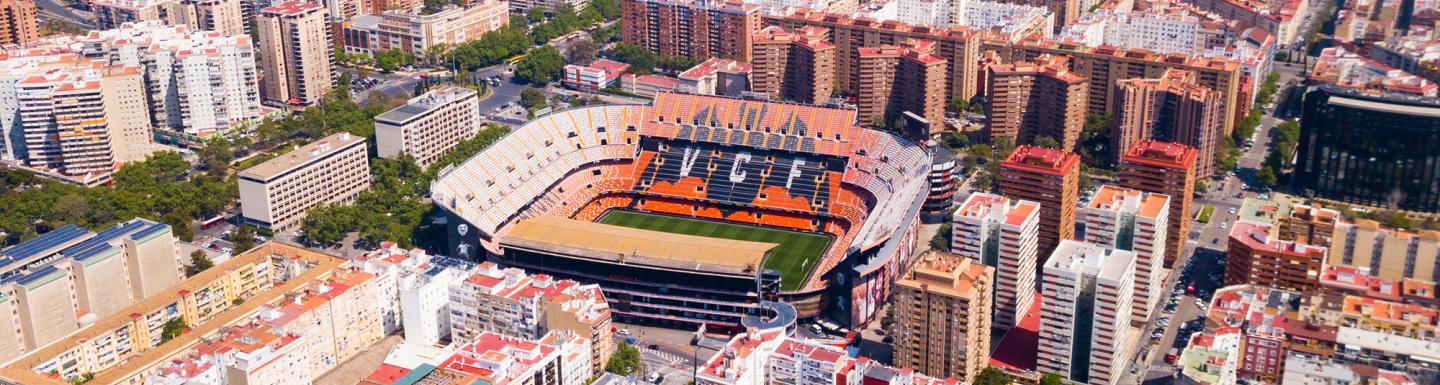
(424,103)
(20,370)
(620,244)
(301,156)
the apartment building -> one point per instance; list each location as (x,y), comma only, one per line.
(423,293)
(898,79)
(1349,70)
(942,323)
(1050,178)
(223,16)
(408,30)
(68,274)
(428,125)
(771,50)
(1028,100)
(1281,18)
(593,77)
(296,60)
(76,117)
(1171,108)
(691,28)
(512,303)
(1137,221)
(18,24)
(1164,168)
(769,356)
(1304,223)
(277,193)
(199,83)
(556,358)
(128,347)
(1003,233)
(716,76)
(1088,289)
(959,47)
(1388,253)
(801,363)
(1256,255)
(1358,281)
(1103,67)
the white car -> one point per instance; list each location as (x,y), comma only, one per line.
(1224,225)
(624,332)
(1232,210)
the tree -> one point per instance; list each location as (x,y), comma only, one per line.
(641,60)
(581,52)
(216,156)
(958,105)
(393,58)
(535,15)
(243,238)
(173,328)
(608,9)
(541,66)
(1047,142)
(992,376)
(942,238)
(199,261)
(1051,379)
(1266,176)
(624,361)
(532,97)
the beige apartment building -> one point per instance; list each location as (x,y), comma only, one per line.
(296,60)
(224,16)
(1131,220)
(411,32)
(429,125)
(80,117)
(1390,253)
(942,316)
(57,282)
(276,194)
(274,286)
(1299,222)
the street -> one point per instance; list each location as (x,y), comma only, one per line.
(57,9)
(667,352)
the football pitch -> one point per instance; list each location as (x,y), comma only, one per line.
(796,254)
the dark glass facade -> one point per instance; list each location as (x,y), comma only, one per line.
(1370,150)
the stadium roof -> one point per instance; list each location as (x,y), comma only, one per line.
(640,247)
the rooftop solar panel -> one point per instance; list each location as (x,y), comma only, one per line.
(154,228)
(44,242)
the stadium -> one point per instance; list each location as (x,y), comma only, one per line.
(697,209)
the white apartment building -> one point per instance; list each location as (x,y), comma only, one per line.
(425,286)
(199,82)
(523,6)
(1002,233)
(799,363)
(73,117)
(1161,30)
(1087,296)
(277,193)
(512,303)
(429,125)
(1136,221)
(1009,19)
(935,13)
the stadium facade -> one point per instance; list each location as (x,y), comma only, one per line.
(802,206)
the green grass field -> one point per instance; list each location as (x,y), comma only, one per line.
(794,258)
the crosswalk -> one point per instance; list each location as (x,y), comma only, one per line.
(667,357)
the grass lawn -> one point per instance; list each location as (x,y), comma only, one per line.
(1205,213)
(794,258)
